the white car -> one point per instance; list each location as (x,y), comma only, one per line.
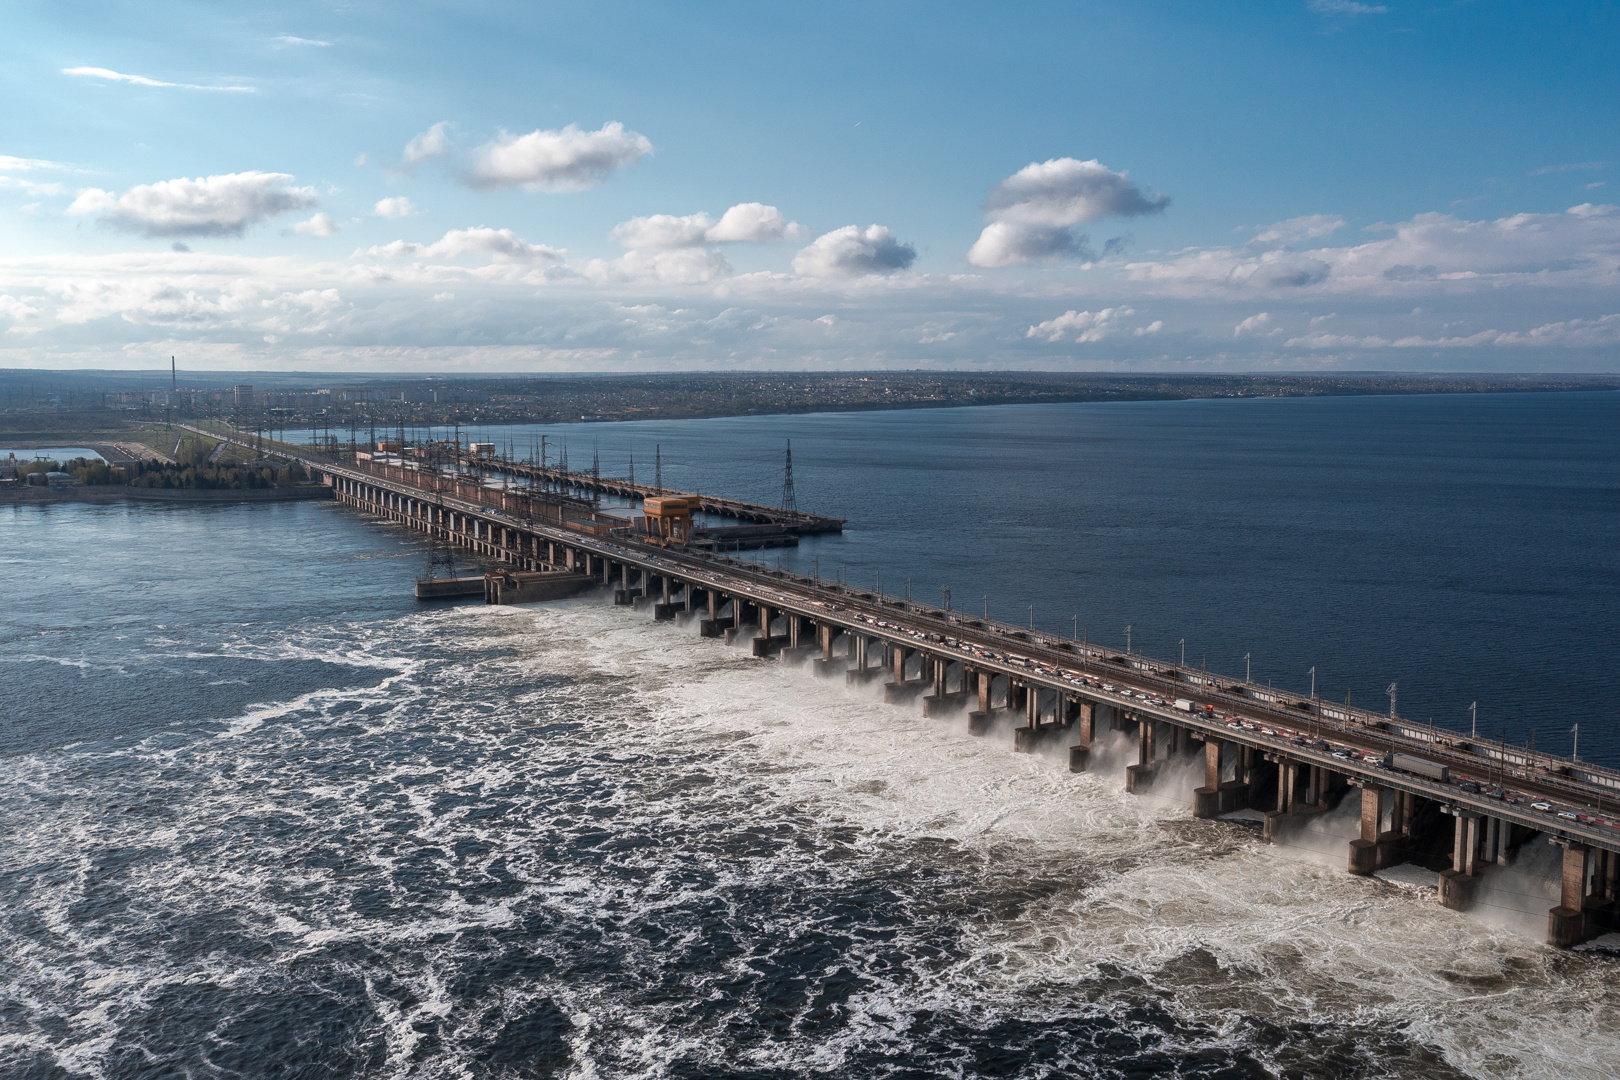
(1541,806)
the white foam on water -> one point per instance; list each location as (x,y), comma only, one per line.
(709,775)
(1150,885)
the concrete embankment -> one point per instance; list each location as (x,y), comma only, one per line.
(28,495)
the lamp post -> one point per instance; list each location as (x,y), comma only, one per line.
(1473,731)
(1183,644)
(986,607)
(1127,641)
(1032,617)
(1313,683)
(1077,628)
(1246,667)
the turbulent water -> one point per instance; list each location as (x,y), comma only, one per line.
(264,816)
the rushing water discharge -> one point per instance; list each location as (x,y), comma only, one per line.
(264,815)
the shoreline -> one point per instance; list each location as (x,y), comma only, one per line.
(108,493)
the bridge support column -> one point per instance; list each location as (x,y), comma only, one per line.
(1139,776)
(979,719)
(1207,799)
(1364,851)
(1457,883)
(1567,923)
(1287,784)
(825,634)
(1080,753)
(1024,738)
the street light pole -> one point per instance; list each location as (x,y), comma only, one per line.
(1473,732)
(1127,641)
(1032,617)
(1246,667)
(1183,652)
(1077,628)
(986,607)
(1313,683)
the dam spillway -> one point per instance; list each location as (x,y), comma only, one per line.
(1467,805)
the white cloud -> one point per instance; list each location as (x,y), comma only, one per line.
(207,206)
(754,223)
(1003,243)
(1064,191)
(17,164)
(431,143)
(396,207)
(568,159)
(32,187)
(292,40)
(1297,230)
(501,244)
(319,225)
(141,80)
(664,231)
(1587,209)
(853,251)
(677,266)
(1088,326)
(1346,7)
(1526,292)
(13,308)
(1032,213)
(1256,324)
(745,223)
(1428,252)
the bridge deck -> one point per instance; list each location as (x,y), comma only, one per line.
(796,521)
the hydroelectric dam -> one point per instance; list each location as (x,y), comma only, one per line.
(1427,796)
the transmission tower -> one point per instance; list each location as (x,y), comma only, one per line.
(789,500)
(658,469)
(632,468)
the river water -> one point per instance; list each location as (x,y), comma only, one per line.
(264,815)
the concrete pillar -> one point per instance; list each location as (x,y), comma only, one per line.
(1137,776)
(1456,884)
(941,670)
(985,679)
(714,605)
(863,645)
(1080,753)
(1032,707)
(825,634)
(1566,923)
(1364,849)
(1287,781)
(1207,799)
(899,663)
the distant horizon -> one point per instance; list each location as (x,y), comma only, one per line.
(236,373)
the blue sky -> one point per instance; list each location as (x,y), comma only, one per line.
(1302,185)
